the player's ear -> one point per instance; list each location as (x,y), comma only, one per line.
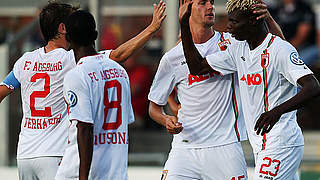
(62,28)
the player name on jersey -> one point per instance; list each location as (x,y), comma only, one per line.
(42,67)
(111,138)
(41,123)
(107,74)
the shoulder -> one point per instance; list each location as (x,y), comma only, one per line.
(74,73)
(29,56)
(280,45)
(175,53)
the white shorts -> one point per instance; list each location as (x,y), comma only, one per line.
(214,163)
(40,168)
(282,164)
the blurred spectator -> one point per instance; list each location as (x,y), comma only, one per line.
(3,34)
(297,21)
(110,36)
(140,81)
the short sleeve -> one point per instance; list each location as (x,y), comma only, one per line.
(222,62)
(129,113)
(77,97)
(11,81)
(290,64)
(17,69)
(163,83)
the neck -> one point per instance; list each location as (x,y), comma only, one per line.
(201,34)
(83,51)
(257,37)
(56,43)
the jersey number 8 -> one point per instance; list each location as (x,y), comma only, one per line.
(112,104)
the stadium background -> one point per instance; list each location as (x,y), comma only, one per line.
(118,21)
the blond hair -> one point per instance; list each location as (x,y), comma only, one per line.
(243,5)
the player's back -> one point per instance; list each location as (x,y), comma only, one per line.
(43,127)
(108,93)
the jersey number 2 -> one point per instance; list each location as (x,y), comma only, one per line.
(112,104)
(46,112)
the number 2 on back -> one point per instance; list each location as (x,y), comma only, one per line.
(46,112)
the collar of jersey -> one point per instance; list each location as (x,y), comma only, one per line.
(84,58)
(263,44)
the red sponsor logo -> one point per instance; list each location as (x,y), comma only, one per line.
(192,79)
(252,79)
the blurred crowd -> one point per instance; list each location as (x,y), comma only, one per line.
(298,19)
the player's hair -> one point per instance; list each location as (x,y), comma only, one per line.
(81,28)
(51,16)
(243,5)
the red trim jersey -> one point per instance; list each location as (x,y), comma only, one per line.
(97,91)
(268,77)
(210,111)
(44,124)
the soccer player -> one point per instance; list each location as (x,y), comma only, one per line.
(210,125)
(97,92)
(269,69)
(40,74)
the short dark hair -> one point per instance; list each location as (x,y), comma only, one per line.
(81,28)
(51,16)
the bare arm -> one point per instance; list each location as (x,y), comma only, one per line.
(262,13)
(128,48)
(196,63)
(170,122)
(4,92)
(310,89)
(85,146)
(174,106)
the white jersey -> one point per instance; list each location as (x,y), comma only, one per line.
(210,111)
(98,92)
(44,124)
(267,77)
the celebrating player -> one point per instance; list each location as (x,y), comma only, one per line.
(40,74)
(209,126)
(268,68)
(97,92)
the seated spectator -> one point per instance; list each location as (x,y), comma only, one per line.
(297,21)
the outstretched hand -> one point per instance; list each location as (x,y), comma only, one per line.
(260,10)
(266,121)
(184,11)
(158,15)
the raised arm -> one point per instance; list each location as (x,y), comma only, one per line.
(85,147)
(310,89)
(128,48)
(196,63)
(262,13)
